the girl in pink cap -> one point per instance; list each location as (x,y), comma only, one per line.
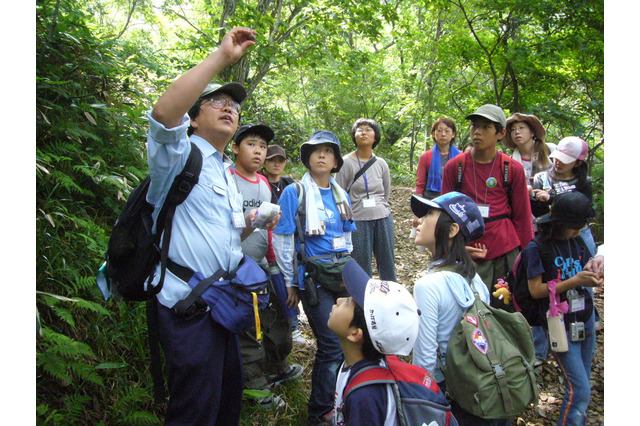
(569,173)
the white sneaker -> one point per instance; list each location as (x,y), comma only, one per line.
(298,338)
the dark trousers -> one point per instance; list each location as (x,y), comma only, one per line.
(328,355)
(204,370)
(269,356)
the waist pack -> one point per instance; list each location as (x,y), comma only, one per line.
(418,397)
(234,297)
(327,273)
(489,362)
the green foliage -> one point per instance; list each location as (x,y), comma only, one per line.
(317,64)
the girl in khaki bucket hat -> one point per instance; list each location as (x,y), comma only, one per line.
(525,136)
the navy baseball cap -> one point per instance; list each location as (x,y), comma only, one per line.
(265,132)
(462,209)
(572,208)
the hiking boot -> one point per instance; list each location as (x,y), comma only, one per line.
(293,372)
(297,338)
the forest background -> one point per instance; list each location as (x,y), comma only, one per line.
(317,64)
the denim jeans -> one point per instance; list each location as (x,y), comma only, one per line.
(540,341)
(576,368)
(328,355)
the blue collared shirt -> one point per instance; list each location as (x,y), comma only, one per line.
(203,236)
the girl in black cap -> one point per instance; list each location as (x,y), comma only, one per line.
(555,265)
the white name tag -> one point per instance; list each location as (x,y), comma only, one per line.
(484,210)
(238,220)
(339,243)
(577,305)
(369,202)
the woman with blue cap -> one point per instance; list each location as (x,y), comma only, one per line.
(318,212)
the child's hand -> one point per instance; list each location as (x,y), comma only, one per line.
(274,223)
(416,222)
(541,195)
(292,297)
(588,279)
(596,265)
(477,251)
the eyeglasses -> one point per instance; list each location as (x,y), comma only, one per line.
(518,129)
(219,103)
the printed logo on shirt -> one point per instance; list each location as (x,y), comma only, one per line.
(479,341)
(250,204)
(569,267)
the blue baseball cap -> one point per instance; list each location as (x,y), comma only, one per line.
(462,209)
(317,138)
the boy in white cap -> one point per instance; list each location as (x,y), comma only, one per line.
(379,318)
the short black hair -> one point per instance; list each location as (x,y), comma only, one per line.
(194,111)
(368,350)
(366,122)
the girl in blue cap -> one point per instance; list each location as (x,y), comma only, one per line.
(446,225)
(318,211)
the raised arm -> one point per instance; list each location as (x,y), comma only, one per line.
(184,92)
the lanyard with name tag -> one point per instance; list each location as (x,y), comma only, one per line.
(368,202)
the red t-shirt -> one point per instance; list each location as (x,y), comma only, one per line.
(503,235)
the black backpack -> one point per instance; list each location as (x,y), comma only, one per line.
(134,250)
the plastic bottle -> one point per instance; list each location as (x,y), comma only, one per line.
(557,333)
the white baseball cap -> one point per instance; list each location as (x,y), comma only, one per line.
(390,311)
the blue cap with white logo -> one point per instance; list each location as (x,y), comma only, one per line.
(462,209)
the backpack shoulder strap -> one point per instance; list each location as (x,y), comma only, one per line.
(505,162)
(373,374)
(460,165)
(300,214)
(178,192)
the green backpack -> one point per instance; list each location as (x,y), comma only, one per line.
(489,362)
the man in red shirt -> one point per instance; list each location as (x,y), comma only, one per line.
(505,209)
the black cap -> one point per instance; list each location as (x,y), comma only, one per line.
(572,208)
(265,132)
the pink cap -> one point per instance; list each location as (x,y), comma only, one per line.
(570,149)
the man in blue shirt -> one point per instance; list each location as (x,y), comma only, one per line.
(203,362)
